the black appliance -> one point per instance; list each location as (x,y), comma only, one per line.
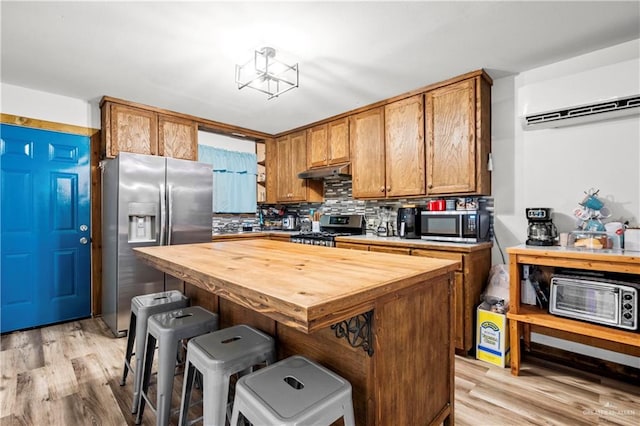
(541,230)
(458,226)
(409,222)
(330,228)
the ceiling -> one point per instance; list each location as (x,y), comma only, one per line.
(181,56)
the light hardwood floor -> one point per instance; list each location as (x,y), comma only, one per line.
(69,374)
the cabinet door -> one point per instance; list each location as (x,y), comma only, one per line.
(271,171)
(318,146)
(367,153)
(404,147)
(298,158)
(283,155)
(352,246)
(388,249)
(338,141)
(451,139)
(177,138)
(132,130)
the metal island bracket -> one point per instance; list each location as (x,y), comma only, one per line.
(357,331)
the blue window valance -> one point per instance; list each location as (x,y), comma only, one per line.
(234,179)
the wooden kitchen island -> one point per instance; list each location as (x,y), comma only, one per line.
(383,322)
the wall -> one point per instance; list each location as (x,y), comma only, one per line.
(39,105)
(226,142)
(553,167)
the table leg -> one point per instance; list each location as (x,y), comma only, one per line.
(526,336)
(515,330)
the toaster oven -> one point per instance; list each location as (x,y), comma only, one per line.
(602,301)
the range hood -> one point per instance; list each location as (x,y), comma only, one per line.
(338,170)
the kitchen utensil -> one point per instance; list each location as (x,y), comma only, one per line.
(305,224)
(591,201)
(290,222)
(437,205)
(632,239)
(409,222)
(541,230)
(383,226)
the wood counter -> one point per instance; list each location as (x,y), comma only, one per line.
(406,377)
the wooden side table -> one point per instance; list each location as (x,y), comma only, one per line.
(523,317)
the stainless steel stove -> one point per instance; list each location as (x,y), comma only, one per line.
(330,228)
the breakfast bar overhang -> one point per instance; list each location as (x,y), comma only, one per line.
(382,321)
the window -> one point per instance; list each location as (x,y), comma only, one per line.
(234,179)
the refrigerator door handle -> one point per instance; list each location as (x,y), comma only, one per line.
(170,217)
(163,213)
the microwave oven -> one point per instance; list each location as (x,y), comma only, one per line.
(607,302)
(458,226)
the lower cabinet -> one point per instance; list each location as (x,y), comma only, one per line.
(470,280)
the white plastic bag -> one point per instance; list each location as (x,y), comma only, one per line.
(498,285)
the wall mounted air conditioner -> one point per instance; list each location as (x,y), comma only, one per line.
(570,116)
(568,97)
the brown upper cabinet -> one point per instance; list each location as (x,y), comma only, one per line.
(387,150)
(404,147)
(328,143)
(367,154)
(291,159)
(458,138)
(133,129)
(177,138)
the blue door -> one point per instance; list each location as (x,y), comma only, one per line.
(45,224)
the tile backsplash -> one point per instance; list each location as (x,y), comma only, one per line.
(338,199)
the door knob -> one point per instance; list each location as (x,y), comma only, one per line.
(84,240)
(84,228)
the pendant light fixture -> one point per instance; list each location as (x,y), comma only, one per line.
(267,74)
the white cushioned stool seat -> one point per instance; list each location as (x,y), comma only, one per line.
(294,391)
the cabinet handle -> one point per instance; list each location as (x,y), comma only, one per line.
(388,189)
(430,186)
(382,189)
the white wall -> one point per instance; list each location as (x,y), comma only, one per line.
(226,142)
(46,106)
(553,167)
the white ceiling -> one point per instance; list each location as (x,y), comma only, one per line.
(181,56)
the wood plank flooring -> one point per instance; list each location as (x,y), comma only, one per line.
(69,374)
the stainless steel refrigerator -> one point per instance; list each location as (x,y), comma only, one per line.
(146,201)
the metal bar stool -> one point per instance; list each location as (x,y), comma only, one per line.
(142,307)
(294,391)
(168,329)
(217,356)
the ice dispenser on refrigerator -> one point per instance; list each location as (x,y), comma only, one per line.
(142,222)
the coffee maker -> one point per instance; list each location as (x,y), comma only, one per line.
(409,222)
(541,230)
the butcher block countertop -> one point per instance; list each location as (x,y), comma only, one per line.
(304,287)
